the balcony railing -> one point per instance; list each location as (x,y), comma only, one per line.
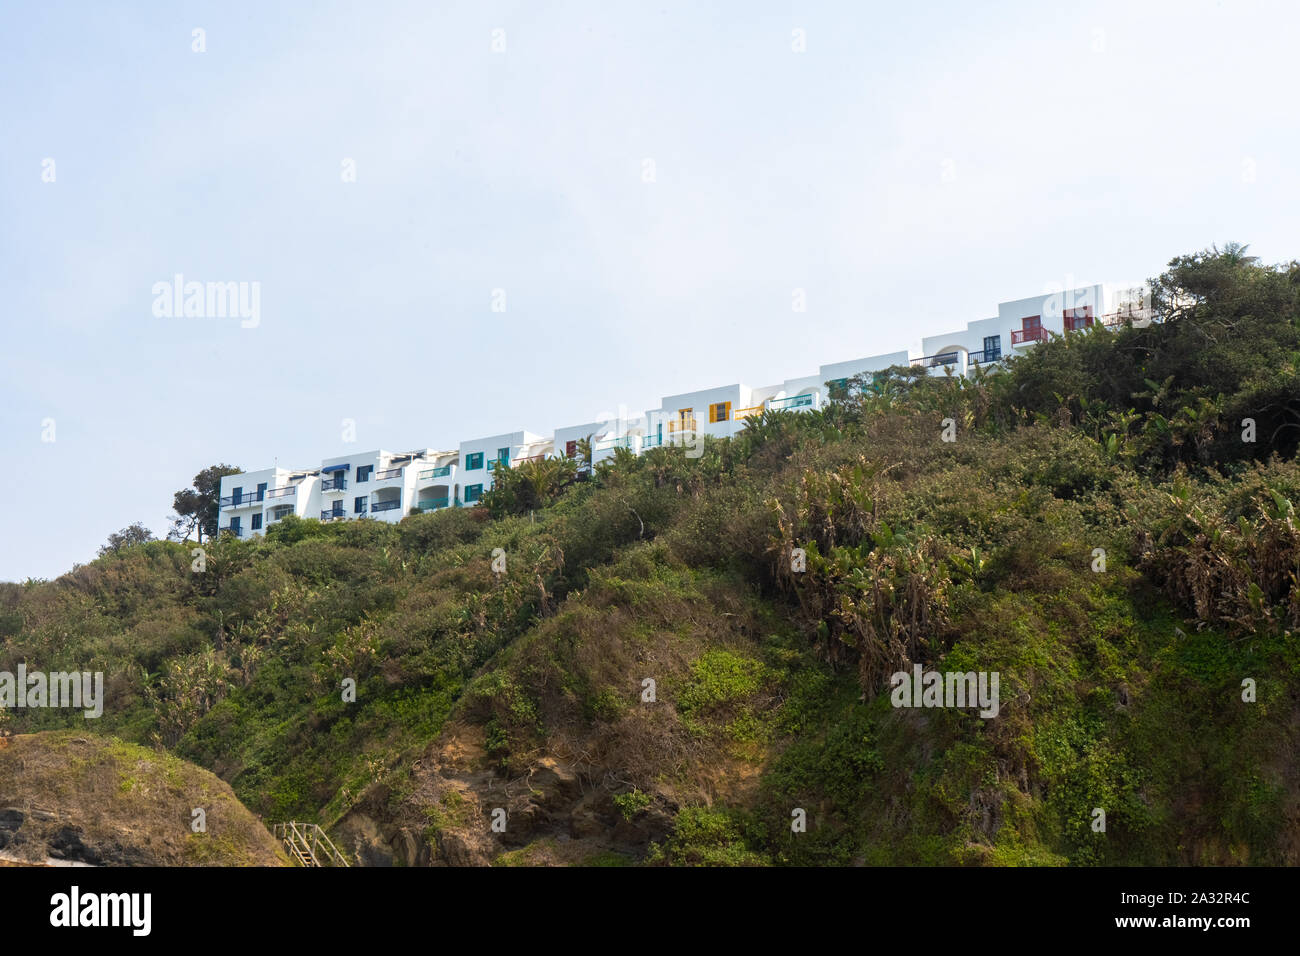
(1126,315)
(683,425)
(282,492)
(331,515)
(1024,336)
(334,484)
(651,441)
(245,500)
(936,361)
(790,401)
(388,473)
(982,358)
(433,504)
(386,505)
(233,529)
(746,412)
(529,458)
(605,444)
(442,472)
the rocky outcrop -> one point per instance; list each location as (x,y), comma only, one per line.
(70,797)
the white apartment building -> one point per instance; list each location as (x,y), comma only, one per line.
(387,486)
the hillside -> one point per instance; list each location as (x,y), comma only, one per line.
(1103,530)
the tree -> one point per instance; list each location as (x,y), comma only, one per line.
(532,485)
(199,508)
(132,534)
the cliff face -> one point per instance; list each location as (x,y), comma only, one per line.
(78,798)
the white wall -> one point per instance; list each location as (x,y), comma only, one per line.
(576,433)
(738,395)
(513,442)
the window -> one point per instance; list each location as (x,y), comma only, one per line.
(474,461)
(837,386)
(364,472)
(281,511)
(570,449)
(337,509)
(257,522)
(992,348)
(473,492)
(503,455)
(236,494)
(1032,322)
(234,525)
(1076,319)
(261,493)
(359,505)
(721,412)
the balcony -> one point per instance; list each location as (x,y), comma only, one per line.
(334,484)
(392,505)
(388,474)
(984,357)
(332,515)
(651,441)
(938,361)
(746,412)
(608,444)
(683,425)
(1025,336)
(432,504)
(234,529)
(282,492)
(1138,316)
(443,472)
(249,499)
(791,401)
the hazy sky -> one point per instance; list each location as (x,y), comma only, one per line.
(916,165)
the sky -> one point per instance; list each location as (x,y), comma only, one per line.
(642,186)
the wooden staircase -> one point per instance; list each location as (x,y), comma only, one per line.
(308,845)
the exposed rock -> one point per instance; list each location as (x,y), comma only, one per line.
(96,800)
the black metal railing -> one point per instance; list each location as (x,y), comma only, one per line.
(242,500)
(330,515)
(388,473)
(386,505)
(934,361)
(334,484)
(987,355)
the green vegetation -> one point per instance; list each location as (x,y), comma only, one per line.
(1121,688)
